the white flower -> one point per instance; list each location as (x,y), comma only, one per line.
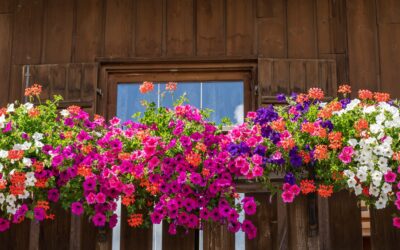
(3,154)
(353,142)
(64,113)
(376,178)
(358,190)
(38,144)
(376,128)
(386,188)
(11,199)
(37,136)
(349,173)
(28,106)
(2,121)
(11,209)
(1,167)
(27,162)
(10,108)
(362,174)
(369,109)
(2,198)
(380,118)
(374,191)
(24,146)
(380,203)
(25,195)
(351,183)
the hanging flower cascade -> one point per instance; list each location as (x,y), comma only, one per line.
(175,166)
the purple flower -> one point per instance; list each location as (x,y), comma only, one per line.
(77,208)
(57,160)
(53,195)
(281,97)
(295,158)
(25,136)
(250,207)
(39,213)
(289,178)
(265,115)
(7,128)
(99,220)
(156,217)
(69,122)
(89,184)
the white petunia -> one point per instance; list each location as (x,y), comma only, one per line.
(351,183)
(37,136)
(349,173)
(28,106)
(362,175)
(2,198)
(27,162)
(25,195)
(10,108)
(353,142)
(64,113)
(10,199)
(3,154)
(2,121)
(11,209)
(376,178)
(1,167)
(380,203)
(376,128)
(369,109)
(39,144)
(386,188)
(374,191)
(358,190)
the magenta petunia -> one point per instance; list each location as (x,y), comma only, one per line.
(77,208)
(99,220)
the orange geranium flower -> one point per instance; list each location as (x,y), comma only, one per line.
(17,183)
(3,111)
(201,147)
(135,220)
(335,139)
(307,186)
(128,200)
(278,125)
(381,97)
(364,94)
(40,183)
(288,143)
(308,127)
(344,89)
(316,93)
(396,156)
(34,112)
(321,152)
(86,149)
(3,184)
(325,190)
(124,156)
(301,98)
(205,172)
(305,156)
(35,90)
(146,87)
(171,86)
(73,109)
(84,171)
(38,166)
(43,204)
(361,125)
(194,159)
(15,154)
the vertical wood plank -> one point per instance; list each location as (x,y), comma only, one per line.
(183,240)
(266,222)
(17,237)
(264,76)
(180,28)
(118,29)
(239,27)
(5,56)
(210,23)
(343,208)
(134,238)
(75,74)
(298,224)
(148,43)
(89,17)
(383,234)
(217,237)
(271,28)
(7,6)
(88,234)
(55,234)
(324,27)
(362,42)
(283,228)
(389,37)
(280,77)
(301,29)
(57,79)
(297,74)
(58,28)
(27,39)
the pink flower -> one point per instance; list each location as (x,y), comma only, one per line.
(286,187)
(287,197)
(346,154)
(154,162)
(251,115)
(4,225)
(257,159)
(390,177)
(100,198)
(397,203)
(295,189)
(240,162)
(77,208)
(99,220)
(258,171)
(396,222)
(91,198)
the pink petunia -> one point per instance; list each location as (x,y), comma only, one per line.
(396,222)
(390,177)
(287,197)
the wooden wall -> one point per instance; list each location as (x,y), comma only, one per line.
(296,43)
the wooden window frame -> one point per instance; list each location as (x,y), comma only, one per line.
(112,73)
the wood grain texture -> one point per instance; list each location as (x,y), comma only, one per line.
(88,37)
(58,31)
(27,38)
(5,56)
(210,30)
(383,234)
(16,238)
(272,36)
(183,240)
(266,222)
(180,28)
(240,19)
(135,238)
(7,6)
(148,44)
(343,208)
(217,237)
(118,28)
(298,224)
(301,26)
(362,44)
(55,234)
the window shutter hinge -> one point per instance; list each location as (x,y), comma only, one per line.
(99,92)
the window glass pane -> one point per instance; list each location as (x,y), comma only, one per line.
(226,99)
(190,89)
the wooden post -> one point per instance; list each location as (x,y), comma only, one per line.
(383,234)
(217,237)
(298,224)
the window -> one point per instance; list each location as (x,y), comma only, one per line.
(224,98)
